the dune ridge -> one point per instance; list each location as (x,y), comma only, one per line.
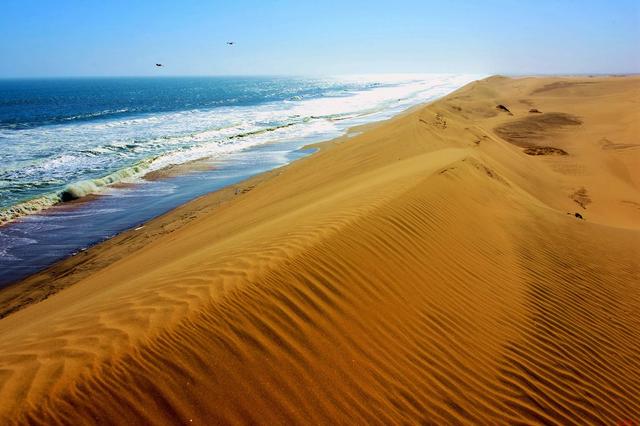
(426,270)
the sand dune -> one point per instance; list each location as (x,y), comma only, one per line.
(425,270)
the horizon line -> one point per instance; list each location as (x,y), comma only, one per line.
(505,74)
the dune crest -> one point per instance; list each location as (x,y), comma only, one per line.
(425,270)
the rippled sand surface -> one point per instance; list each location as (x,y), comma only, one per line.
(430,269)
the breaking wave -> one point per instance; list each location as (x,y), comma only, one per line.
(73,191)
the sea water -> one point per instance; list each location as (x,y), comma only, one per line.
(66,139)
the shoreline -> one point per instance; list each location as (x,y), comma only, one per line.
(429,268)
(67,271)
(410,91)
(29,247)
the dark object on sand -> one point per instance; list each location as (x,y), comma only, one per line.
(159,65)
(534,110)
(503,108)
(545,150)
(579,216)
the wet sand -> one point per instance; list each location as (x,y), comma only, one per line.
(430,269)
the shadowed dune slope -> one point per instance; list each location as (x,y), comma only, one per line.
(425,270)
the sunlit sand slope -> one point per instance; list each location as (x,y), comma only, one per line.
(430,269)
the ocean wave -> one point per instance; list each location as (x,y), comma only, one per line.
(73,191)
(25,125)
(83,188)
(93,115)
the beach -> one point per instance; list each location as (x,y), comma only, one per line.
(85,159)
(472,260)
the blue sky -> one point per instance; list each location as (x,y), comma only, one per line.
(71,38)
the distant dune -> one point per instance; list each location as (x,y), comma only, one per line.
(475,260)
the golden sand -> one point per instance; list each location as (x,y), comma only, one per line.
(430,269)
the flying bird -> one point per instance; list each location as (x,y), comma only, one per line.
(231,43)
(159,65)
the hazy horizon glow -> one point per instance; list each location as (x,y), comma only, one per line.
(116,38)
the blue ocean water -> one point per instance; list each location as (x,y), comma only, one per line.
(56,133)
(63,139)
(32,103)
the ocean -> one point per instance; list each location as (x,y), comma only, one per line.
(66,139)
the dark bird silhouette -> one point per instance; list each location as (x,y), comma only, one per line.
(231,43)
(159,65)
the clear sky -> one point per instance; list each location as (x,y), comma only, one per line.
(113,37)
